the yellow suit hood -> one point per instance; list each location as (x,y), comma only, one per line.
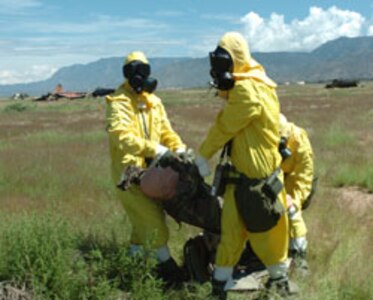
(136,55)
(244,65)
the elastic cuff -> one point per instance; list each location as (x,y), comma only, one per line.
(278,270)
(181,150)
(160,150)
(222,273)
(299,244)
(292,212)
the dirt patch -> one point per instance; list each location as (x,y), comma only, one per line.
(355,200)
(10,292)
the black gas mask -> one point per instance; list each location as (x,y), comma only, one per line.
(221,69)
(283,148)
(137,73)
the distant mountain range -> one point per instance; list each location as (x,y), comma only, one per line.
(344,58)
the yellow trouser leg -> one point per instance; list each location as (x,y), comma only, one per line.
(297,226)
(270,246)
(296,222)
(233,235)
(147,218)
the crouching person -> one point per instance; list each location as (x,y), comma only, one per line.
(250,120)
(297,164)
(139,131)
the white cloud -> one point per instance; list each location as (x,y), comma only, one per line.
(34,73)
(320,26)
(17,6)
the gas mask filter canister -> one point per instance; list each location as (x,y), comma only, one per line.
(283,148)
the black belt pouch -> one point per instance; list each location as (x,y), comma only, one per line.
(257,202)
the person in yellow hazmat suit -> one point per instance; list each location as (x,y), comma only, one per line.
(297,165)
(139,132)
(250,120)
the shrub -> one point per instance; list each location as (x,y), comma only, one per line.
(46,255)
(36,251)
(108,267)
(17,107)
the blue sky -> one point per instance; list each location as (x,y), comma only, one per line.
(37,37)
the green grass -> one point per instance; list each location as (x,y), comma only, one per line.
(36,250)
(18,107)
(338,136)
(61,222)
(342,162)
(55,261)
(187,97)
(338,249)
(350,175)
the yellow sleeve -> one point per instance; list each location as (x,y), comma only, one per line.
(302,175)
(239,111)
(122,126)
(169,137)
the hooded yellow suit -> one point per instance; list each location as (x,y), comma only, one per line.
(136,124)
(298,169)
(251,119)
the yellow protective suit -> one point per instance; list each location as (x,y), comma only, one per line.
(251,119)
(136,124)
(298,170)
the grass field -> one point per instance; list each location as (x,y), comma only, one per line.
(63,233)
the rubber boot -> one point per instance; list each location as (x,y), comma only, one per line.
(280,287)
(218,291)
(299,262)
(171,274)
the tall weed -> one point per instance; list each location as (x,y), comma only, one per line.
(37,250)
(54,261)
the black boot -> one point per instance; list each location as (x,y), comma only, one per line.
(279,287)
(171,274)
(299,262)
(218,291)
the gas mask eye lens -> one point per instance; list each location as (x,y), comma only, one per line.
(143,69)
(136,67)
